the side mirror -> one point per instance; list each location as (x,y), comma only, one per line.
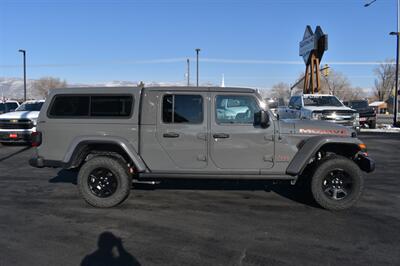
(262,119)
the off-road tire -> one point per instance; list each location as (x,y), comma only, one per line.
(124,181)
(325,167)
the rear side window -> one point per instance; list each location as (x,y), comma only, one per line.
(91,106)
(110,106)
(67,106)
(182,109)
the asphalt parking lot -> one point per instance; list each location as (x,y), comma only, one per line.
(43,221)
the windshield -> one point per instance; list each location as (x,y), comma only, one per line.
(30,107)
(359,105)
(322,101)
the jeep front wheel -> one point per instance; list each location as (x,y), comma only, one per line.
(337,183)
(104,182)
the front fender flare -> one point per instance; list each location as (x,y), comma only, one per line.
(311,147)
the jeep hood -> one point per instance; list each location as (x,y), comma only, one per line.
(20,115)
(314,127)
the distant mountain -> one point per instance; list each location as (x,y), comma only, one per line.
(13,88)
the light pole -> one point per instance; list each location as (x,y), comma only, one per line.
(24,55)
(188,72)
(197,66)
(395,107)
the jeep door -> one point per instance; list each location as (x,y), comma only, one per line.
(182,128)
(237,144)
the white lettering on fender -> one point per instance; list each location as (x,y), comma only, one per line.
(323,131)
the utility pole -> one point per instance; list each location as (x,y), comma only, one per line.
(197,66)
(396,94)
(188,72)
(24,55)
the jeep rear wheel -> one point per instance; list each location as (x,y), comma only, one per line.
(337,183)
(104,182)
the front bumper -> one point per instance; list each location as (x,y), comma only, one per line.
(15,136)
(367,119)
(365,163)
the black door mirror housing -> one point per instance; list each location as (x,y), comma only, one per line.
(262,119)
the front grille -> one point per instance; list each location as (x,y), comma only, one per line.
(16,124)
(345,117)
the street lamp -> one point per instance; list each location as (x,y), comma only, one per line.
(24,55)
(197,66)
(395,107)
(370,3)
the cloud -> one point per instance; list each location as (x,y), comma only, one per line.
(183,60)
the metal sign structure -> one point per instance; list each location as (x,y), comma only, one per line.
(312,48)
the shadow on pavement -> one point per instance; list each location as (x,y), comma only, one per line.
(8,156)
(282,188)
(110,252)
(65,176)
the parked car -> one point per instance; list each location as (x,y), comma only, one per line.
(115,135)
(8,106)
(320,107)
(367,114)
(18,126)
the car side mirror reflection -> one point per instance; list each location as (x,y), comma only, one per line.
(262,119)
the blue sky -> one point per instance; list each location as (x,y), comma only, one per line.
(104,40)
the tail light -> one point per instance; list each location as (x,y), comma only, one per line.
(36,138)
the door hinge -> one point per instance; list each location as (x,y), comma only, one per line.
(269,137)
(201,157)
(268,158)
(202,136)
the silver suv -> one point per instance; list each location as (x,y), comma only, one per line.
(114,135)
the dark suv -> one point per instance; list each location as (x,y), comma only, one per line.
(367,113)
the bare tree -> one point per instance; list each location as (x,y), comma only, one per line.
(354,93)
(336,84)
(43,85)
(385,80)
(280,91)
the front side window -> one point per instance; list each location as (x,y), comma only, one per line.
(182,109)
(236,109)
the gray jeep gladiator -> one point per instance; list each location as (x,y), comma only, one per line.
(115,135)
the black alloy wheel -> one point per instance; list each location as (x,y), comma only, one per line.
(337,184)
(102,182)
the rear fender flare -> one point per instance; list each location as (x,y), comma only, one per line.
(78,143)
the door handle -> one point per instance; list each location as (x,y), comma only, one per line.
(221,136)
(171,135)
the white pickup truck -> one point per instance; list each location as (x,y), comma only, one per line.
(320,107)
(18,126)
